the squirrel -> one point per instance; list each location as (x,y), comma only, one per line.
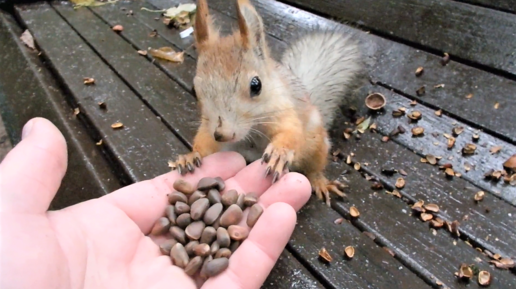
(276,111)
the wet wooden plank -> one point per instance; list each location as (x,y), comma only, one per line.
(435,256)
(144,144)
(441,26)
(484,226)
(335,276)
(287,262)
(29,91)
(171,31)
(157,88)
(493,229)
(392,65)
(289,273)
(502,5)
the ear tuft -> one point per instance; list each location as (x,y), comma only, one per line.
(203,31)
(251,28)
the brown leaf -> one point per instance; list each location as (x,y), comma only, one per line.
(167,53)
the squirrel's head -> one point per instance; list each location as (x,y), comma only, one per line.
(232,77)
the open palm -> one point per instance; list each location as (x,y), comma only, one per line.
(103,243)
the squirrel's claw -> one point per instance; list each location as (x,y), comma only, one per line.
(186,163)
(277,160)
(322,188)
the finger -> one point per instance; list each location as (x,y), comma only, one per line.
(252,262)
(31,173)
(145,202)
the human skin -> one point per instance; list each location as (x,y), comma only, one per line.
(104,242)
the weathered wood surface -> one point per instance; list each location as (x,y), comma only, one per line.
(160,105)
(106,11)
(419,253)
(144,144)
(475,34)
(151,136)
(502,5)
(393,64)
(28,90)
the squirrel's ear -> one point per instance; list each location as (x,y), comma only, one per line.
(202,27)
(251,28)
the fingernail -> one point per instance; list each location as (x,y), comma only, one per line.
(27,128)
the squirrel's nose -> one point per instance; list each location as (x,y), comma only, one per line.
(223,136)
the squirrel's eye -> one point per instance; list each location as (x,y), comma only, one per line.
(256,86)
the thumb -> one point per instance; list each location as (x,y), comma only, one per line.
(32,171)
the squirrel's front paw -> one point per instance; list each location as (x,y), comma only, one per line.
(185,163)
(277,159)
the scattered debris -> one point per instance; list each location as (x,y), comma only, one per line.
(495,149)
(445,59)
(353,211)
(323,253)
(434,208)
(469,149)
(510,164)
(364,125)
(441,85)
(117,125)
(457,130)
(91,3)
(88,80)
(496,106)
(27,39)
(76,111)
(419,71)
(118,28)
(102,105)
(415,115)
(439,112)
(479,196)
(375,101)
(349,251)
(417,131)
(400,183)
(465,272)
(99,142)
(484,278)
(475,137)
(167,53)
(421,91)
(338,221)
(469,96)
(142,52)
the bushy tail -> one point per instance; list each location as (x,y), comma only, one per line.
(327,62)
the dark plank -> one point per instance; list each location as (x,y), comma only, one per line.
(494,230)
(334,277)
(289,273)
(151,79)
(392,65)
(502,5)
(438,25)
(278,17)
(484,226)
(144,145)
(322,226)
(28,90)
(435,256)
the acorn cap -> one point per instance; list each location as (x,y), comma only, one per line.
(375,101)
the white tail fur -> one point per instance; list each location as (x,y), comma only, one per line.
(326,62)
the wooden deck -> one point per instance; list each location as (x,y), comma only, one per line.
(154,100)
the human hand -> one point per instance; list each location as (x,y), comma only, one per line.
(103,243)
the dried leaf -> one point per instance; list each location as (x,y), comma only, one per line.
(167,53)
(90,3)
(364,125)
(27,39)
